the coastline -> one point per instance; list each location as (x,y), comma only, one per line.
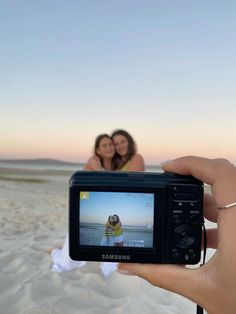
(35,172)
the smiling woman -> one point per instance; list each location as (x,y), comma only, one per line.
(102,159)
(110,153)
(126,158)
(104,152)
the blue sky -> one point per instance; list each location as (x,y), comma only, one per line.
(135,209)
(163,70)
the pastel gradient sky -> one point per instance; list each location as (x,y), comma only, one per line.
(163,70)
(136,209)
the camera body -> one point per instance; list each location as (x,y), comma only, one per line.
(135,217)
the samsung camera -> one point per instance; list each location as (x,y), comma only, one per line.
(135,217)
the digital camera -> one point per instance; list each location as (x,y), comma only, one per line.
(135,217)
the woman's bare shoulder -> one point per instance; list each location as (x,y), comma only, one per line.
(137,157)
(93,163)
(136,163)
(94,158)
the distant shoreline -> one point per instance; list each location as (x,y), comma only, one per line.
(41,161)
(39,167)
(6,163)
(31,172)
(46,166)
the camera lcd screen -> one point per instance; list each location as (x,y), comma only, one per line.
(122,219)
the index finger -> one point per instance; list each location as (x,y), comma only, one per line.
(219,173)
(199,167)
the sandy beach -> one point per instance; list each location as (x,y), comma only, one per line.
(33,217)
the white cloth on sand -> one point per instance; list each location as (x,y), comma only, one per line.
(61,261)
(107,268)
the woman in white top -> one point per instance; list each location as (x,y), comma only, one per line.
(102,159)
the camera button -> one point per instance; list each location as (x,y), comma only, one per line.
(193,205)
(175,253)
(194,213)
(178,205)
(193,218)
(192,254)
(177,219)
(186,257)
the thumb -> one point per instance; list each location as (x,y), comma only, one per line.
(175,278)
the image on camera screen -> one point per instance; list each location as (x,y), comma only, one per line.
(116,219)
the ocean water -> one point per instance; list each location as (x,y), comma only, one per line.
(41,165)
(134,236)
(50,164)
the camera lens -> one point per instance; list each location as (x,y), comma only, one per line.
(184,236)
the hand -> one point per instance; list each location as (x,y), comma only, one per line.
(93,164)
(213,286)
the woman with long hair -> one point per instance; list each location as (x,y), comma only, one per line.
(126,157)
(108,236)
(118,231)
(104,152)
(102,159)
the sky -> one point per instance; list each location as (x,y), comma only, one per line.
(165,71)
(136,209)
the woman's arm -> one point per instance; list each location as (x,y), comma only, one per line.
(117,226)
(93,164)
(108,225)
(136,163)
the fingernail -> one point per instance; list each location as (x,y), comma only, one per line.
(125,272)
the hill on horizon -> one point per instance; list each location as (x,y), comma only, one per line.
(42,161)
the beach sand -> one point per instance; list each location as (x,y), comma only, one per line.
(33,217)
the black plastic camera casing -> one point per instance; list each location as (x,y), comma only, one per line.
(165,228)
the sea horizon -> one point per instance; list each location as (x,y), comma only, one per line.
(52,164)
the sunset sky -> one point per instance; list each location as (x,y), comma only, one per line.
(163,70)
